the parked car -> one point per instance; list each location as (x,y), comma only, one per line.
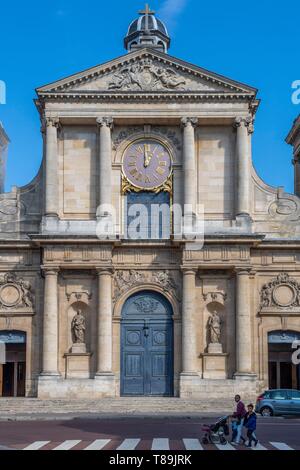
(278,402)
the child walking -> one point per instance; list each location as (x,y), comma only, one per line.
(250,424)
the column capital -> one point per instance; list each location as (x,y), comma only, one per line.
(50,270)
(243,270)
(51,121)
(188,271)
(104,270)
(186,121)
(105,122)
(247,122)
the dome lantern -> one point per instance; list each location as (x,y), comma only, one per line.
(147,31)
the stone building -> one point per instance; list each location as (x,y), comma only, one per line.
(91,308)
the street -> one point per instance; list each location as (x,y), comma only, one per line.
(174,434)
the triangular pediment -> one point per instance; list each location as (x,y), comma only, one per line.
(146,71)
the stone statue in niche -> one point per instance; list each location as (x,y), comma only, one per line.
(78,328)
(214,329)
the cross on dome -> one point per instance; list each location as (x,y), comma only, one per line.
(147,31)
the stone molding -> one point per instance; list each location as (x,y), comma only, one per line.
(219,297)
(79,296)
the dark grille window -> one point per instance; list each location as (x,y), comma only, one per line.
(147,216)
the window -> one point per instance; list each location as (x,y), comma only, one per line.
(148,216)
(295,395)
(278,395)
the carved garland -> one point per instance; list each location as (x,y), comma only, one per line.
(125,280)
(167,186)
(160,130)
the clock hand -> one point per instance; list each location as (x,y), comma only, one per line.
(147,156)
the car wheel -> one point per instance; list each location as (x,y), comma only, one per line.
(266,411)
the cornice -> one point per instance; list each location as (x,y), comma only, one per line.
(145,96)
(294,132)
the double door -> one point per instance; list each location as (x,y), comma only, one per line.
(147,357)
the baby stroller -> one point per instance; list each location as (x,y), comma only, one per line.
(215,433)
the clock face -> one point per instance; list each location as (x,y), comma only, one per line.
(147,164)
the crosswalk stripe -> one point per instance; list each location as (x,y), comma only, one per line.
(98,444)
(129,444)
(67,445)
(36,445)
(192,444)
(281,446)
(160,444)
(225,447)
(259,447)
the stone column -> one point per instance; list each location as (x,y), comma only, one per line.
(51,168)
(50,323)
(105,163)
(244,128)
(243,324)
(189,345)
(104,357)
(189,163)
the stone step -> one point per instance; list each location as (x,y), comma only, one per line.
(138,405)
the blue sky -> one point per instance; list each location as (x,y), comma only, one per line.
(254,42)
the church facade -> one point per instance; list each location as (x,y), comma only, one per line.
(100,296)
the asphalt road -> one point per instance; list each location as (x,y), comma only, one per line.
(136,434)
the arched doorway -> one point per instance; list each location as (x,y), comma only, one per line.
(13,367)
(147,350)
(282,372)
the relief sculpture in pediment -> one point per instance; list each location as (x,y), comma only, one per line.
(146,76)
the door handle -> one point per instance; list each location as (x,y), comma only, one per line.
(146,329)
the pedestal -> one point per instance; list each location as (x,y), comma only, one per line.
(215,348)
(79,348)
(215,365)
(78,365)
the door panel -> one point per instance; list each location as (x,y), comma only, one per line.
(133,352)
(21,374)
(161,359)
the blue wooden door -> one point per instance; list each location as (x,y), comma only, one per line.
(147,346)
